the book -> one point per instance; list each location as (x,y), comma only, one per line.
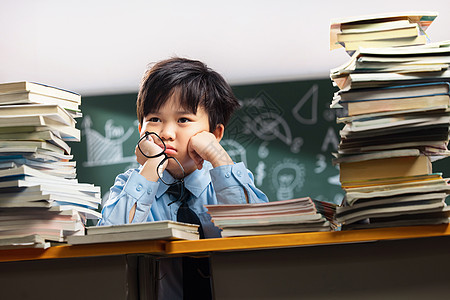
(409,121)
(66,225)
(395,92)
(411,207)
(85,212)
(433,49)
(26,86)
(21,199)
(38,123)
(274,229)
(299,205)
(45,135)
(35,98)
(66,184)
(25,170)
(440,216)
(385,168)
(132,227)
(355,108)
(35,153)
(26,241)
(386,184)
(268,220)
(283,216)
(53,112)
(357,196)
(12,146)
(163,230)
(56,235)
(86,194)
(398,42)
(377,22)
(381,34)
(365,80)
(52,168)
(376,155)
(357,27)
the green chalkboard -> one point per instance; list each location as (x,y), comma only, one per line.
(284,132)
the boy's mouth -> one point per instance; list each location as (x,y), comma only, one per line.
(170,150)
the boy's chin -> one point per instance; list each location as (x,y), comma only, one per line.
(174,169)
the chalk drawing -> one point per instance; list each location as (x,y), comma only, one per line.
(321,164)
(269,126)
(297,144)
(330,139)
(108,149)
(287,176)
(263,151)
(338,198)
(235,150)
(300,111)
(260,173)
(334,180)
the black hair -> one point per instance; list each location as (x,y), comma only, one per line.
(195,84)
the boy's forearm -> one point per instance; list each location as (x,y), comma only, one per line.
(218,156)
(149,169)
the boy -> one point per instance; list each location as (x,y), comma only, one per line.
(187,105)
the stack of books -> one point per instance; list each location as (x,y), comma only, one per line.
(382,30)
(284,216)
(40,197)
(159,230)
(396,124)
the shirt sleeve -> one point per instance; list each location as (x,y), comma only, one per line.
(231,182)
(129,188)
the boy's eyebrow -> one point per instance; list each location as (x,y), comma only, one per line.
(184,112)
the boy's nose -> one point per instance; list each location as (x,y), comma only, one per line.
(167,133)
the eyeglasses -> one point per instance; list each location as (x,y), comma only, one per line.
(143,146)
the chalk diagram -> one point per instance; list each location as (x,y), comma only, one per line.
(269,126)
(287,176)
(260,173)
(300,109)
(235,150)
(108,149)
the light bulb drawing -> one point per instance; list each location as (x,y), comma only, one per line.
(288,176)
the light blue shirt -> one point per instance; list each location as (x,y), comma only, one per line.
(221,185)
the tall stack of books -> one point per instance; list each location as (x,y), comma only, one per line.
(40,198)
(397,123)
(283,216)
(379,31)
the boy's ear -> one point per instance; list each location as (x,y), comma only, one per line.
(139,128)
(219,131)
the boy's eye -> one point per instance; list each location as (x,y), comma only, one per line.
(154,119)
(183,120)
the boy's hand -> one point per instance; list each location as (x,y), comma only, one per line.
(204,146)
(149,147)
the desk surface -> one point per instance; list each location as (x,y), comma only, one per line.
(226,244)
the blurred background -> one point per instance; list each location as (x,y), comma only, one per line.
(275,54)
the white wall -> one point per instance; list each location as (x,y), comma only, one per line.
(103,46)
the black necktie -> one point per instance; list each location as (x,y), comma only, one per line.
(185,214)
(196,271)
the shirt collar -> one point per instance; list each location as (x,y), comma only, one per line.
(196,182)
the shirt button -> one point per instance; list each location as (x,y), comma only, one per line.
(149,191)
(227,175)
(239,173)
(139,187)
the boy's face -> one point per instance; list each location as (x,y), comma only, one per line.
(176,125)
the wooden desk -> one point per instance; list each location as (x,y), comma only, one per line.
(401,263)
